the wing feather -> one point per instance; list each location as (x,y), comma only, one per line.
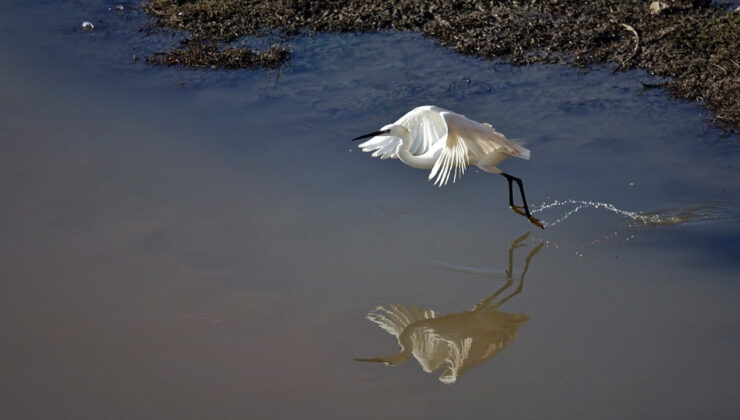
(466,142)
(454,139)
(426,126)
(396,318)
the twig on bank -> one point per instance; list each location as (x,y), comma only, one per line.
(637,45)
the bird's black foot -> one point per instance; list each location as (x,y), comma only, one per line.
(521,210)
(535,221)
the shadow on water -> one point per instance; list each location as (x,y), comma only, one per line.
(459,341)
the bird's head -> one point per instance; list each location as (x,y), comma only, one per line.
(387,130)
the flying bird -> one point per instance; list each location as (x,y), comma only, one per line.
(429,137)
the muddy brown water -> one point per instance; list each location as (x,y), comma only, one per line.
(212,249)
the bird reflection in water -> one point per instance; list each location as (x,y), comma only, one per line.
(459,341)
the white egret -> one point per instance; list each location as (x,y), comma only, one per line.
(429,137)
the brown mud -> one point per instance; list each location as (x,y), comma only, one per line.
(693,44)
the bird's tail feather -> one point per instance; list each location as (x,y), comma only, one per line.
(521,151)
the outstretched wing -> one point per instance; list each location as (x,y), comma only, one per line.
(468,141)
(383,147)
(426,127)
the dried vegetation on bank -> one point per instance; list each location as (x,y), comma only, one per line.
(695,45)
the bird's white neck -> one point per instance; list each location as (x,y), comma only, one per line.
(404,152)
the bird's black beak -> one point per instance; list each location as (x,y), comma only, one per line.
(377,133)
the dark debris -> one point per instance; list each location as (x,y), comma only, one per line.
(206,54)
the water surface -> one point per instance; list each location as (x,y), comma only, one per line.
(211,248)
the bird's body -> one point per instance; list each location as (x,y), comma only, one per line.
(445,142)
(429,137)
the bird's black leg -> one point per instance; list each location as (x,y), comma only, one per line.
(524,199)
(511,194)
(511,180)
(525,207)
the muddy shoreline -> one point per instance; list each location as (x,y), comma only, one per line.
(693,44)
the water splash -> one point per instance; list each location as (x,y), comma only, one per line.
(717,212)
(722,211)
(636,221)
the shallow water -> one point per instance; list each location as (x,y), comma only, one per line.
(212,249)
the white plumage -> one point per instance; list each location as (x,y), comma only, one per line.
(429,137)
(449,140)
